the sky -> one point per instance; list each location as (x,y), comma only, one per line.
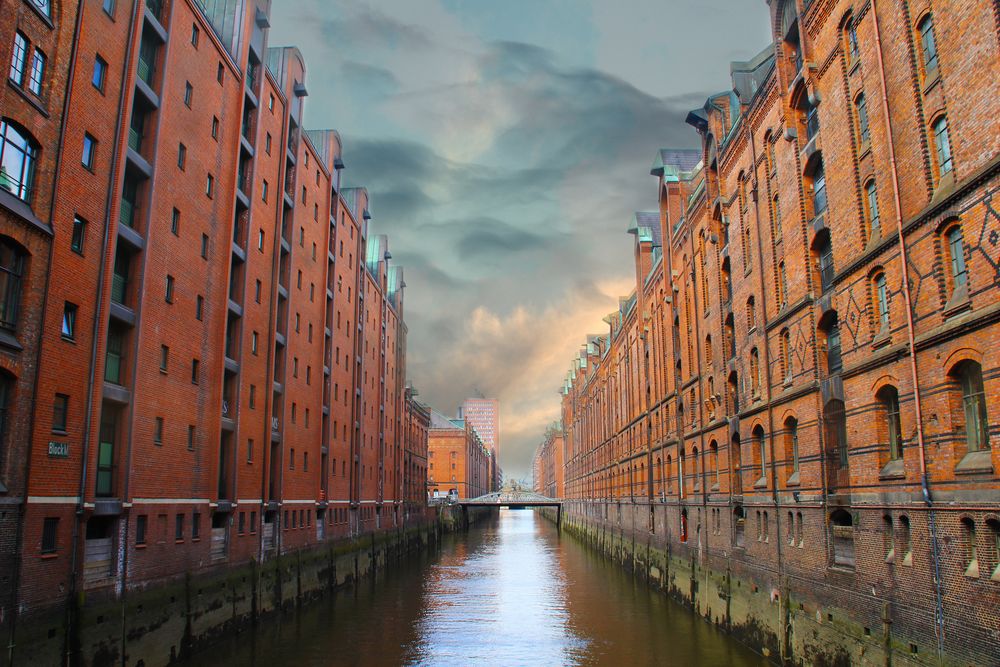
(506,145)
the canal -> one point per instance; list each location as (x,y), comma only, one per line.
(509,592)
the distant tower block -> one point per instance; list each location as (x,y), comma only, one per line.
(484,415)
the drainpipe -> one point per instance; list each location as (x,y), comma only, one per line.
(921,445)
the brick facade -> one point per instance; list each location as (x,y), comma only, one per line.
(802,383)
(458,461)
(207,364)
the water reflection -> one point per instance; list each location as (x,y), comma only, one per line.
(510,593)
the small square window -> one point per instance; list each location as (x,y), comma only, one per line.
(215,127)
(158,431)
(194,371)
(204,246)
(181,156)
(188,93)
(100,73)
(60,413)
(79,235)
(109,7)
(220,73)
(50,531)
(169,295)
(190,444)
(199,307)
(89,151)
(195,35)
(210,186)
(164,357)
(69,320)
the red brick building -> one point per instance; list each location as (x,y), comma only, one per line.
(484,415)
(416,424)
(801,393)
(549,465)
(458,463)
(202,342)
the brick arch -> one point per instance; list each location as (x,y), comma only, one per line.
(884,381)
(960,355)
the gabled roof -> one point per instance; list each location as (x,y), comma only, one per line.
(684,159)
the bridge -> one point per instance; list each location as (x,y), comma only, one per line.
(515,500)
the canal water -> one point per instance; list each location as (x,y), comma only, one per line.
(509,592)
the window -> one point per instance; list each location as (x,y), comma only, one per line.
(43,6)
(994,536)
(263,190)
(18,153)
(252,399)
(852,40)
(755,371)
(874,223)
(179,528)
(190,443)
(175,223)
(37,72)
(204,246)
(169,295)
(956,253)
(834,362)
(158,431)
(257,289)
(210,186)
(842,534)
(194,371)
(220,73)
(942,145)
(824,250)
(11,270)
(971,552)
(861,108)
(969,376)
(18,59)
(260,240)
(199,307)
(164,357)
(181,156)
(882,299)
(751,314)
(888,397)
(792,444)
(819,189)
(291,460)
(60,413)
(142,520)
(928,45)
(69,320)
(786,354)
(267,143)
(195,526)
(188,93)
(215,127)
(270,102)
(89,151)
(195,34)
(100,73)
(79,234)
(782,285)
(50,530)
(835,423)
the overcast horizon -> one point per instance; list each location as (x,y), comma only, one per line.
(505,147)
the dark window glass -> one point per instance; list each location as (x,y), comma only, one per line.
(50,531)
(60,413)
(18,153)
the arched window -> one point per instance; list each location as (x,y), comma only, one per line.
(888,397)
(842,537)
(775,220)
(43,6)
(18,154)
(851,36)
(969,376)
(739,525)
(871,210)
(792,446)
(890,538)
(754,371)
(993,526)
(751,314)
(959,274)
(835,423)
(734,394)
(12,260)
(861,112)
(747,247)
(905,540)
(714,448)
(697,468)
(882,301)
(928,47)
(708,349)
(736,464)
(824,255)
(942,145)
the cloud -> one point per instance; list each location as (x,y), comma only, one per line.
(505,169)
